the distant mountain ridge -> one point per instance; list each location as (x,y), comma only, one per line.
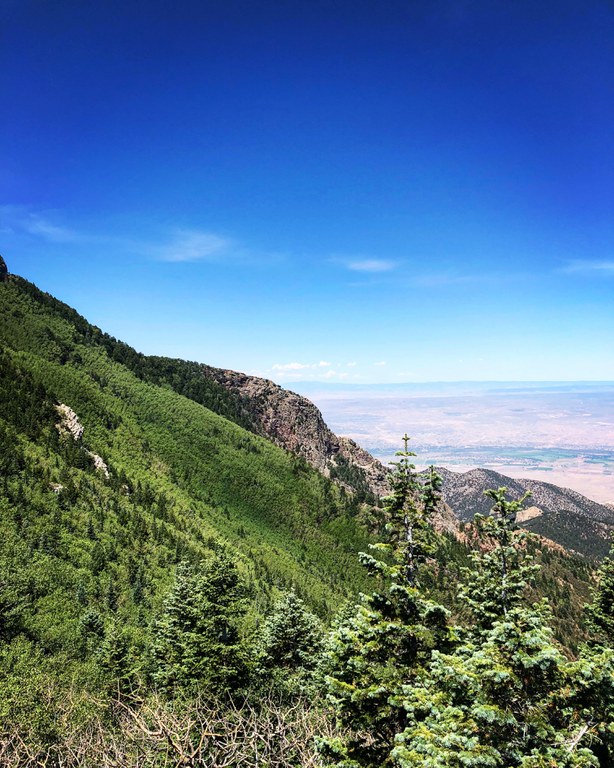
(560,514)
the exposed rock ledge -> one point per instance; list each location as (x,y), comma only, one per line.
(69,424)
(294,423)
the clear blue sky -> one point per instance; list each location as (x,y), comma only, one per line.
(342,190)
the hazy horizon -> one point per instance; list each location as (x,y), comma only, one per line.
(559,434)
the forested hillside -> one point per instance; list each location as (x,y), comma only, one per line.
(158,561)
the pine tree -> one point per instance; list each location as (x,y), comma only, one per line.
(505,696)
(386,643)
(196,640)
(592,675)
(290,645)
(501,566)
(600,612)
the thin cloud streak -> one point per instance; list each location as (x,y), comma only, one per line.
(578,267)
(179,245)
(371,265)
(197,245)
(300,366)
(18,220)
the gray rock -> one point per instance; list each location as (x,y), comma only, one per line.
(294,423)
(3,270)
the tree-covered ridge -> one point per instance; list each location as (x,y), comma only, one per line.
(183,376)
(252,403)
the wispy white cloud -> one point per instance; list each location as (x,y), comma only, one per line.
(178,245)
(36,225)
(196,245)
(370,265)
(320,371)
(604,267)
(290,366)
(335,375)
(380,363)
(300,366)
(20,220)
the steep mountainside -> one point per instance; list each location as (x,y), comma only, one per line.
(560,514)
(292,422)
(176,468)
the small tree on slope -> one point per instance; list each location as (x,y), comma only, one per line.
(289,649)
(196,639)
(600,613)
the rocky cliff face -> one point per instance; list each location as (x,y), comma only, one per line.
(3,270)
(294,423)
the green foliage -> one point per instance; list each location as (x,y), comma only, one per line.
(196,639)
(499,693)
(506,695)
(600,613)
(290,646)
(386,643)
(502,567)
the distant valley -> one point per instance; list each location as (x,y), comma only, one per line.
(561,432)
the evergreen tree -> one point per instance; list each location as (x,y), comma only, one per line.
(600,613)
(505,696)
(501,568)
(387,642)
(196,640)
(592,692)
(291,644)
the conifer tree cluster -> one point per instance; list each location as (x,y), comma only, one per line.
(196,639)
(386,644)
(411,688)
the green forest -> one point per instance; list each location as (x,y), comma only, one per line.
(177,590)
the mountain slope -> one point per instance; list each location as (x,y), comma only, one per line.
(215,481)
(560,514)
(184,481)
(289,420)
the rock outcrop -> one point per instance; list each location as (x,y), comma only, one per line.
(293,422)
(3,270)
(69,424)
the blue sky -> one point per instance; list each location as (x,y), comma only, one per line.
(347,191)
